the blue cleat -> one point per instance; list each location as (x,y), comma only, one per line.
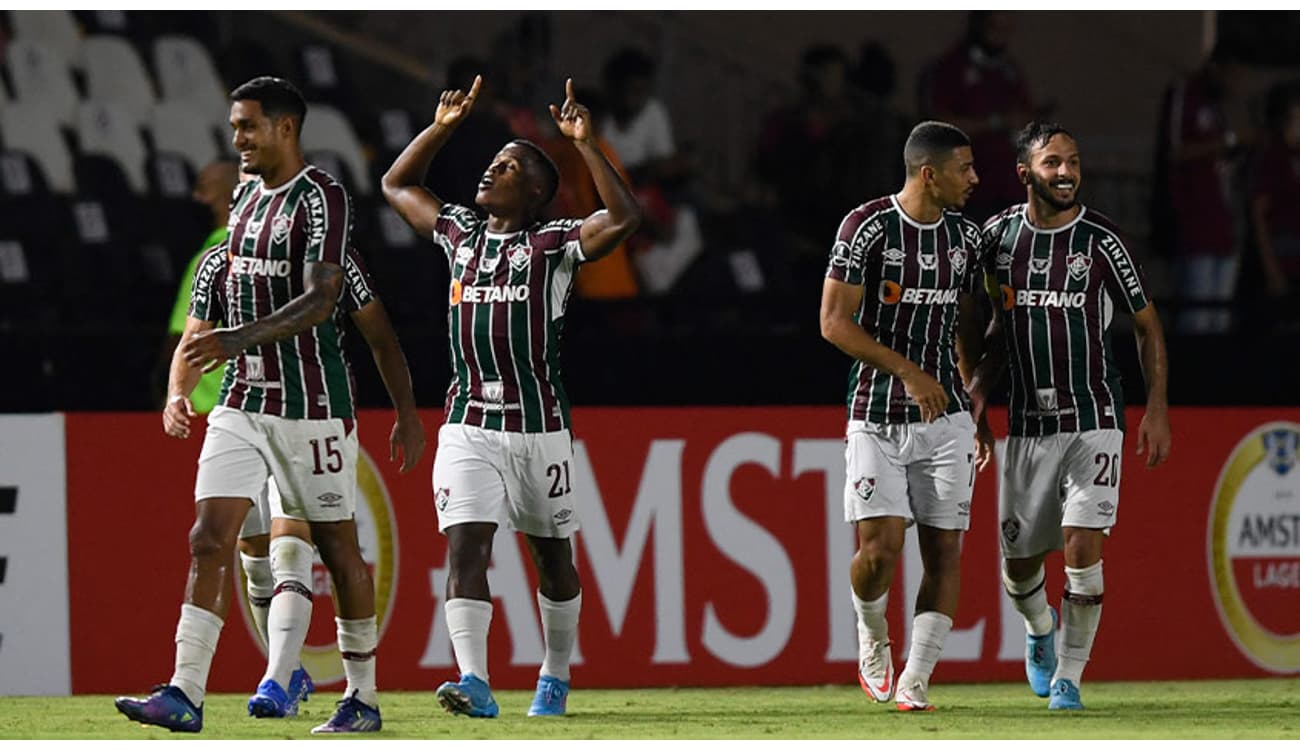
(166,707)
(352,715)
(300,687)
(1065,696)
(1040,660)
(469,697)
(551,696)
(270,702)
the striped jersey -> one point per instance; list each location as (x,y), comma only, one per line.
(273,234)
(1058,290)
(913,275)
(505,317)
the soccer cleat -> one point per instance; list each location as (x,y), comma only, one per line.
(352,715)
(876,671)
(551,697)
(913,698)
(300,687)
(166,707)
(469,697)
(1040,660)
(271,702)
(1065,696)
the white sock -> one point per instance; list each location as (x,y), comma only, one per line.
(929,632)
(357,642)
(261,587)
(196,640)
(871,620)
(290,612)
(467,622)
(1030,600)
(1080,615)
(560,629)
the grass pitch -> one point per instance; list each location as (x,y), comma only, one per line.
(1239,709)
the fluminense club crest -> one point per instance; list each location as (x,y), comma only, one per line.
(1078,265)
(865,488)
(518,257)
(280,227)
(957,256)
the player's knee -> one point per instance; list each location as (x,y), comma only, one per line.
(878,553)
(207,541)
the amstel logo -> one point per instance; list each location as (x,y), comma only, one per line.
(377,536)
(1254,546)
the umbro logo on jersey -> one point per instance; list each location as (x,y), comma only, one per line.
(464,255)
(241,266)
(1078,264)
(893,256)
(892,294)
(1003,260)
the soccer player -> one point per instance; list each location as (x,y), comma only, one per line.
(286,411)
(1061,270)
(504,449)
(898,299)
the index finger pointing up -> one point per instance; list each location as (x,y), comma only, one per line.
(473,90)
(568,90)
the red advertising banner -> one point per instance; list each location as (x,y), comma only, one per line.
(712,552)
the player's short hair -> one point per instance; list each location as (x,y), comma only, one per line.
(1037,134)
(278,98)
(931,143)
(544,166)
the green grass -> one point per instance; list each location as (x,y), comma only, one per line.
(1241,709)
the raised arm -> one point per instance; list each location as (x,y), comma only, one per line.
(1153,433)
(606,229)
(407,436)
(840,302)
(181,381)
(403,183)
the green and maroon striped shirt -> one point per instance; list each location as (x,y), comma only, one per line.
(273,234)
(505,316)
(1059,289)
(913,276)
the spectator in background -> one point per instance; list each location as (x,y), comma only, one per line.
(614,277)
(213,188)
(978,87)
(452,175)
(1194,219)
(1275,197)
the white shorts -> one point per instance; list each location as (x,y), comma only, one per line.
(521,479)
(923,472)
(313,461)
(258,520)
(1066,479)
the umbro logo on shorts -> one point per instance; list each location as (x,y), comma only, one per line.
(1106,508)
(1011,529)
(330,499)
(963,508)
(562,517)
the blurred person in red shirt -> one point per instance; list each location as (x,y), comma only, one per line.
(1274,184)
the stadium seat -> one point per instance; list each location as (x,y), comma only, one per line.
(115,75)
(185,73)
(180,128)
(40,74)
(326,129)
(34,130)
(106,130)
(56,29)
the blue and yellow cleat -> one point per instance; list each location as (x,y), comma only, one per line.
(551,697)
(300,687)
(469,697)
(270,702)
(165,707)
(1065,696)
(352,715)
(1040,660)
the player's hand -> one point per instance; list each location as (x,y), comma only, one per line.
(210,349)
(983,443)
(176,416)
(573,119)
(927,393)
(454,105)
(407,439)
(1154,438)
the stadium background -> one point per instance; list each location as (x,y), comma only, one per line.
(708,418)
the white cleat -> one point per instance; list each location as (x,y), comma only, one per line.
(914,697)
(876,671)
